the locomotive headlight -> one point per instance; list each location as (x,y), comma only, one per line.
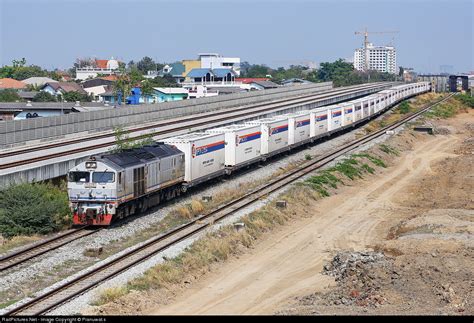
(91,165)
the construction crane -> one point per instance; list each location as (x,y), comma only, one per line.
(366,42)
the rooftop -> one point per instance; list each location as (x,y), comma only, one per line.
(65,86)
(8,83)
(171,90)
(38,80)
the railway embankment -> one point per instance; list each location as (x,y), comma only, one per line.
(266,267)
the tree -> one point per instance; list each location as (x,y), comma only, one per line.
(19,63)
(165,81)
(147,89)
(6,71)
(131,65)
(146,64)
(85,62)
(257,71)
(9,95)
(73,96)
(24,72)
(123,142)
(22,209)
(44,97)
(122,86)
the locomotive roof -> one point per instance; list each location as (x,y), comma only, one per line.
(136,156)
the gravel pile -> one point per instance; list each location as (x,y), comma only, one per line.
(359,276)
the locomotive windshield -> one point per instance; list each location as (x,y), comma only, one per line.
(103,177)
(79,177)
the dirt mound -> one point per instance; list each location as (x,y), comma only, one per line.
(357,274)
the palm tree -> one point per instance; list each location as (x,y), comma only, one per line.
(122,86)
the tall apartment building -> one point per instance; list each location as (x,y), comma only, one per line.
(381,58)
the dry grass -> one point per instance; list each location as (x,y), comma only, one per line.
(109,295)
(287,168)
(184,212)
(17,241)
(216,247)
(196,207)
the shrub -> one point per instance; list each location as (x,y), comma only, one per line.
(404,107)
(27,209)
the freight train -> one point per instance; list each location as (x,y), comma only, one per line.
(112,186)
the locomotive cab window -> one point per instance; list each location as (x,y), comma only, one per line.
(83,177)
(103,177)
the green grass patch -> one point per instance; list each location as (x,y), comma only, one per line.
(466,100)
(348,168)
(368,169)
(404,107)
(6,304)
(442,111)
(351,168)
(374,160)
(389,149)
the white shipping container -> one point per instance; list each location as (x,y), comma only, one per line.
(358,112)
(371,104)
(298,126)
(319,121)
(243,143)
(335,117)
(204,154)
(274,134)
(348,113)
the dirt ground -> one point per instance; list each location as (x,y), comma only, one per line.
(398,242)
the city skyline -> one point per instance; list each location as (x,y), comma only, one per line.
(275,33)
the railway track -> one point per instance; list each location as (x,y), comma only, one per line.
(44,246)
(64,293)
(199,120)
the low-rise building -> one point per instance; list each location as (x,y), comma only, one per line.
(166,94)
(102,66)
(96,87)
(59,88)
(263,85)
(27,95)
(216,61)
(38,81)
(201,91)
(8,83)
(175,70)
(211,76)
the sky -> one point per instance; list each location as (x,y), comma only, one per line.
(53,33)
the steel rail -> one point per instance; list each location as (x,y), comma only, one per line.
(16,258)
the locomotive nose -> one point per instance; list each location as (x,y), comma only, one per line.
(91,213)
